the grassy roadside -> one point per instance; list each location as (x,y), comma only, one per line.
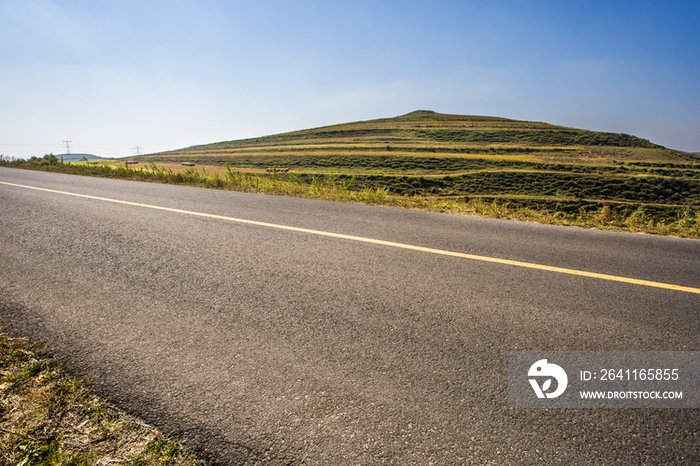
(557,209)
(48,417)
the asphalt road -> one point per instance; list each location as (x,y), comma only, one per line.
(264,345)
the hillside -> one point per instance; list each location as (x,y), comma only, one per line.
(424,134)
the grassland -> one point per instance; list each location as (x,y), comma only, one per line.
(48,417)
(486,166)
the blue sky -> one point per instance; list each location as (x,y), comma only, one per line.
(113,75)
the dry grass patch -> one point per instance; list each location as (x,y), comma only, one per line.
(48,417)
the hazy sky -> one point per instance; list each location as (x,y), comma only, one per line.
(110,75)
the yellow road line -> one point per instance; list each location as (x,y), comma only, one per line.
(461,255)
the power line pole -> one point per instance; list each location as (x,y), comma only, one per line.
(137,149)
(68,146)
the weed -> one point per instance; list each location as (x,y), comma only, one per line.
(638,219)
(605,214)
(49,417)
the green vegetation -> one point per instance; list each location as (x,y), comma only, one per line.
(49,159)
(485,166)
(50,418)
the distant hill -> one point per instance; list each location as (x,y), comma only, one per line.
(79,157)
(423,134)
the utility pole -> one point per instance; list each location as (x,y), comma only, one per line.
(137,149)
(68,146)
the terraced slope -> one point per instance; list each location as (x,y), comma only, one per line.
(522,166)
(425,134)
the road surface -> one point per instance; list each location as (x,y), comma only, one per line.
(270,330)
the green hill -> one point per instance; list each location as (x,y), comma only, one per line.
(523,166)
(425,134)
